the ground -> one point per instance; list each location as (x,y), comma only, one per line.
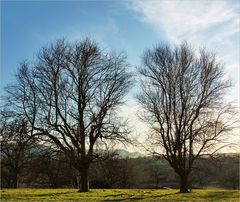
(117,195)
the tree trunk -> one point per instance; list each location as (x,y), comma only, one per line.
(15,180)
(84,184)
(184,184)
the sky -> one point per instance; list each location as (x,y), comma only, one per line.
(130,26)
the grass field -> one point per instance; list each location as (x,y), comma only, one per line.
(117,195)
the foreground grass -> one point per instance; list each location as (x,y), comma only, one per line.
(117,195)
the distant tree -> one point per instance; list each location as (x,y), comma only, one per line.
(158,173)
(17,148)
(204,172)
(70,96)
(50,168)
(182,98)
(228,172)
(106,172)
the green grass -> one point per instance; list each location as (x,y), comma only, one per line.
(117,195)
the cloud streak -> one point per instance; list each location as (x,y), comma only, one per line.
(189,19)
(214,24)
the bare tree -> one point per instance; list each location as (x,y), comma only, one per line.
(182,100)
(70,96)
(16,148)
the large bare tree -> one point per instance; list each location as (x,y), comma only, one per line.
(70,95)
(182,100)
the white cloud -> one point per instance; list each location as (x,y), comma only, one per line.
(187,19)
(213,24)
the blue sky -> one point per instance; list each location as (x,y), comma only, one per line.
(27,26)
(130,26)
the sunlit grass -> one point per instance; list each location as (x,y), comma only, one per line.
(117,195)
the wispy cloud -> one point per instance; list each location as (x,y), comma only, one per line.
(214,24)
(189,19)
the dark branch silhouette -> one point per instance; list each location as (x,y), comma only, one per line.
(182,98)
(70,96)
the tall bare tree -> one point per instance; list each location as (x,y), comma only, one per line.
(182,99)
(70,95)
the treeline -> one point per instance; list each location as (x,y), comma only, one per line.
(48,168)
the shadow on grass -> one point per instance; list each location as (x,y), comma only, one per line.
(164,195)
(114,195)
(52,194)
(128,197)
(131,198)
(220,195)
(125,199)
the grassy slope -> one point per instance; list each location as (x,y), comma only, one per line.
(117,195)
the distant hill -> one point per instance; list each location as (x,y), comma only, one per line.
(121,153)
(228,154)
